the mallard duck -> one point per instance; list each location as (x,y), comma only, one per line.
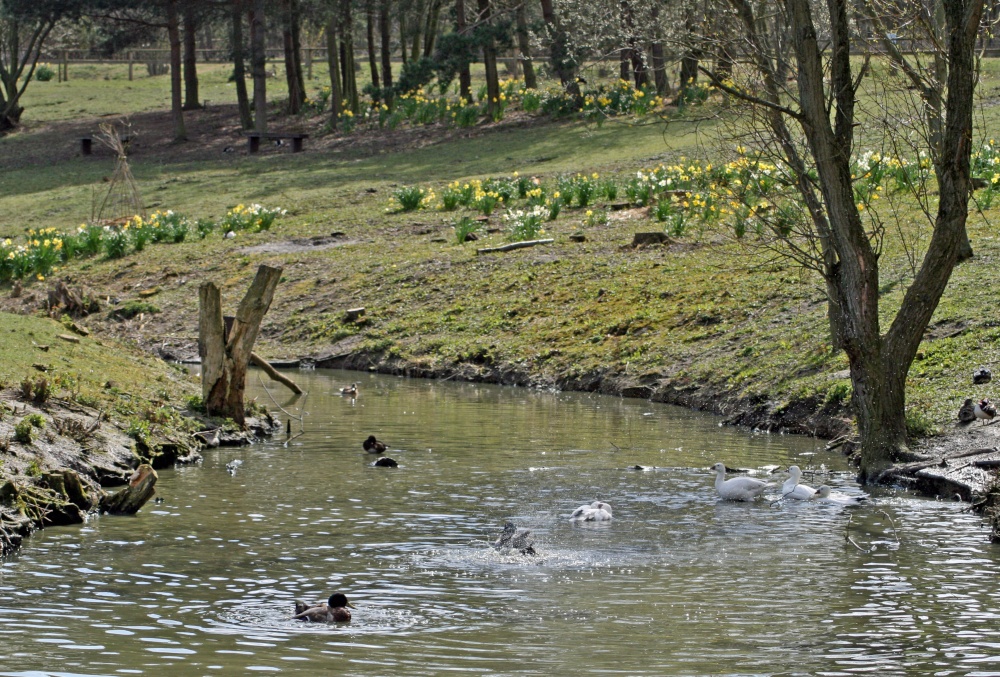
(967,412)
(595,512)
(985,410)
(825,495)
(514,539)
(334,611)
(792,489)
(373,446)
(737,488)
(351,390)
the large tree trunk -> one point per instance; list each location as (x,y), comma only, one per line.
(333,61)
(226,355)
(176,95)
(258,65)
(415,26)
(385,45)
(464,74)
(350,84)
(490,62)
(430,27)
(191,99)
(524,47)
(293,57)
(563,63)
(239,72)
(370,37)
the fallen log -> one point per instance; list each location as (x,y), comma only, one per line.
(274,373)
(514,245)
(129,500)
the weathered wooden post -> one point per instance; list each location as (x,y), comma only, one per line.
(131,55)
(224,359)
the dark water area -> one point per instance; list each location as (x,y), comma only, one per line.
(678,582)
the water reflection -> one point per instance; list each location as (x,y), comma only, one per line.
(677,583)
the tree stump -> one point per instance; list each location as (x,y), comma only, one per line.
(129,500)
(226,355)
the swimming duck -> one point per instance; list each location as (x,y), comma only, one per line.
(985,410)
(351,390)
(826,495)
(595,512)
(792,489)
(334,611)
(373,446)
(737,488)
(513,538)
(385,462)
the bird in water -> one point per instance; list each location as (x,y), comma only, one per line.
(595,512)
(985,410)
(967,412)
(233,466)
(737,488)
(825,495)
(334,611)
(385,462)
(792,489)
(351,390)
(513,538)
(373,446)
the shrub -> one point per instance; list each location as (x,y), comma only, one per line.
(44,72)
(254,218)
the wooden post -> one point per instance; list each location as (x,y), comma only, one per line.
(65,65)
(130,59)
(309,62)
(224,360)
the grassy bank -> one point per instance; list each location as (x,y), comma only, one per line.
(704,320)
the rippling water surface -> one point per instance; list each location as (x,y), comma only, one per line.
(678,583)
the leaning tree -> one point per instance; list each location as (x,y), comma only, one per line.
(801,81)
(24,26)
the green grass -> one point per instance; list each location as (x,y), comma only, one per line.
(93,371)
(705,315)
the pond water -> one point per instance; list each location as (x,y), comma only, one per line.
(678,583)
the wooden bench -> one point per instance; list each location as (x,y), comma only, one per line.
(87,144)
(296,137)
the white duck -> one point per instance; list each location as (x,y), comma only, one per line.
(737,488)
(825,495)
(792,489)
(595,512)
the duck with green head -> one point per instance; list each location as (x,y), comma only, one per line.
(334,611)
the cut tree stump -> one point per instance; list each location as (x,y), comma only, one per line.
(225,356)
(129,500)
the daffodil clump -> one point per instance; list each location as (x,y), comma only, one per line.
(43,250)
(412,198)
(253,218)
(525,224)
(747,195)
(420,107)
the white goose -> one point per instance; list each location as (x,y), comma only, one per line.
(595,512)
(825,495)
(792,489)
(737,488)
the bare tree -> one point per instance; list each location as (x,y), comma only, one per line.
(841,245)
